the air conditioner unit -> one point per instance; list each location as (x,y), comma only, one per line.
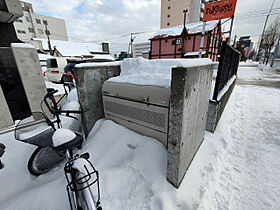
(144,109)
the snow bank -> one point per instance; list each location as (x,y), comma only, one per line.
(140,71)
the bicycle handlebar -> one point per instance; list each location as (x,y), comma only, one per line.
(55,110)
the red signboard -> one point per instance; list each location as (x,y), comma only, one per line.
(219,10)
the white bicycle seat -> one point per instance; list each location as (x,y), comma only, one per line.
(62,136)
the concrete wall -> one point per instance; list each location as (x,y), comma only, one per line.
(30,72)
(216,108)
(6,118)
(190,90)
(89,81)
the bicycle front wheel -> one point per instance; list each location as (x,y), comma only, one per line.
(43,160)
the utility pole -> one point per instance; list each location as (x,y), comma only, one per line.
(48,33)
(260,45)
(184,30)
(130,44)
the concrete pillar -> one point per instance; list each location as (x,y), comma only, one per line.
(190,91)
(30,72)
(6,118)
(89,81)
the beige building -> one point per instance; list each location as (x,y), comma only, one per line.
(33,25)
(172,12)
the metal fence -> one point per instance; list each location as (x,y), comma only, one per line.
(228,65)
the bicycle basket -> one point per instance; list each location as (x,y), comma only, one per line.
(35,130)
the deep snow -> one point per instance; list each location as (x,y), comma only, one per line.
(237,167)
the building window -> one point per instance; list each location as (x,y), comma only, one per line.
(27,19)
(168,16)
(40,31)
(21,32)
(31,30)
(168,24)
(169,7)
(45,22)
(38,21)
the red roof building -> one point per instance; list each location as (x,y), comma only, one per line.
(184,42)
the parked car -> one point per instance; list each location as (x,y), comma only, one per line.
(55,69)
(71,65)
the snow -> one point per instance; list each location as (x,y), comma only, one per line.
(22,45)
(192,28)
(82,65)
(70,48)
(194,53)
(237,167)
(103,56)
(226,87)
(58,87)
(62,136)
(44,57)
(140,71)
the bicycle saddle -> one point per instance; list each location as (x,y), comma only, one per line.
(64,139)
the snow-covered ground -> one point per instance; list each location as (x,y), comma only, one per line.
(237,167)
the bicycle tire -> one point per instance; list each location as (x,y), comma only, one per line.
(43,159)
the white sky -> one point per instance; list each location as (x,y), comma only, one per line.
(102,20)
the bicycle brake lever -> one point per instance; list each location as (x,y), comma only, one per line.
(67,115)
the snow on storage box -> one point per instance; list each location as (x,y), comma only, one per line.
(139,98)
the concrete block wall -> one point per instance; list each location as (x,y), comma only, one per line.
(6,117)
(190,90)
(89,81)
(216,108)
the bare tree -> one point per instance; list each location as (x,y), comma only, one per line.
(270,37)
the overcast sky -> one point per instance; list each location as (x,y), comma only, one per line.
(106,20)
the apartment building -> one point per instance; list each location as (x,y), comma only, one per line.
(33,25)
(172,12)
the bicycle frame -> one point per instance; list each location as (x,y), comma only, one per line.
(78,187)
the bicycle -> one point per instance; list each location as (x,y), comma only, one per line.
(54,145)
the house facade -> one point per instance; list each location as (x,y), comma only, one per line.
(184,42)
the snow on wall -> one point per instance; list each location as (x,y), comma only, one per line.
(140,71)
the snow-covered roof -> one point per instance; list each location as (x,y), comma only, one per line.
(103,56)
(192,28)
(43,57)
(70,48)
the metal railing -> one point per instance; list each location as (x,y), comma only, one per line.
(228,65)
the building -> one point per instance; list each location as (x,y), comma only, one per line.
(184,42)
(60,48)
(172,12)
(246,44)
(141,50)
(33,25)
